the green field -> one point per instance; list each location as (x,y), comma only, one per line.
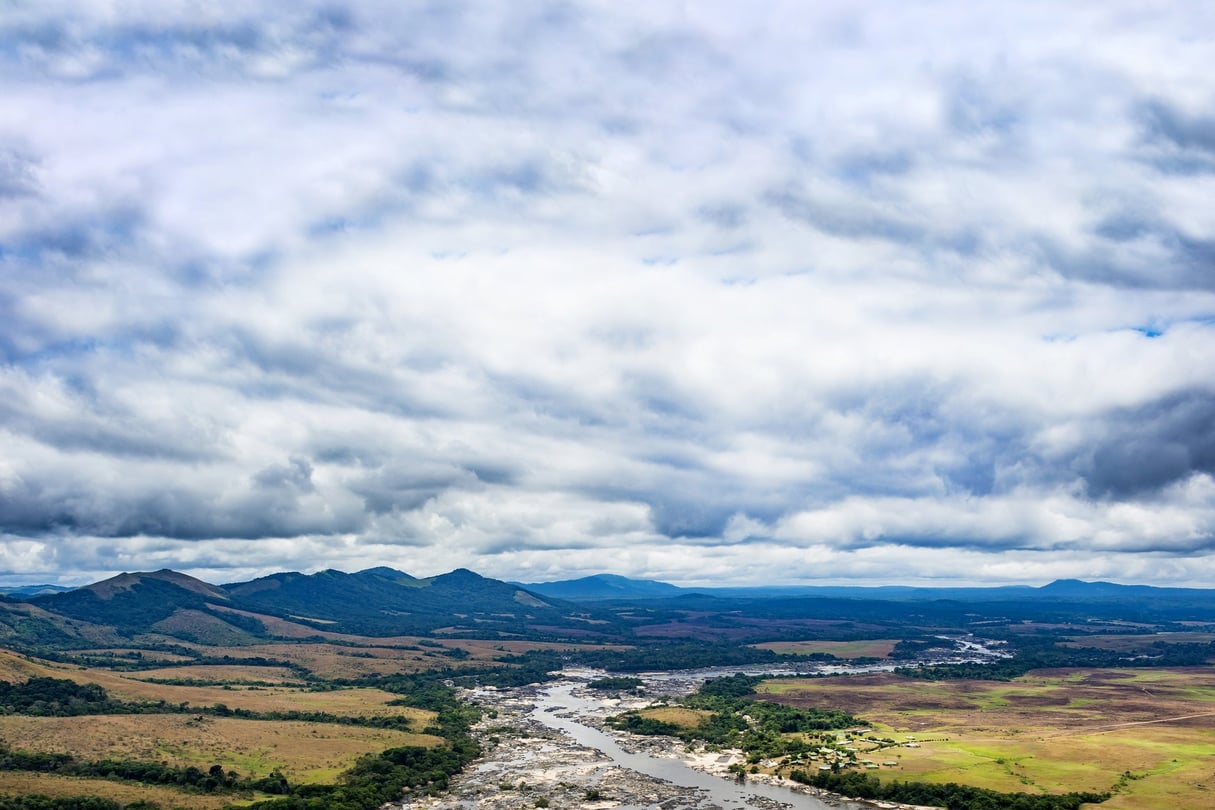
(870,648)
(1050,731)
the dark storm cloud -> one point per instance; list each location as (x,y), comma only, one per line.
(274,503)
(293,367)
(1143,449)
(1179,141)
(1115,256)
(295,475)
(400,487)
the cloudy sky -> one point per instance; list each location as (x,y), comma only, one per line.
(812,292)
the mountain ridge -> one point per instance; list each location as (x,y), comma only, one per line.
(375,601)
(599,587)
(166,607)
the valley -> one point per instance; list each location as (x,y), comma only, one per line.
(159,690)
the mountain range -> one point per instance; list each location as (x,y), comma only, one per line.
(376,602)
(608,587)
(168,607)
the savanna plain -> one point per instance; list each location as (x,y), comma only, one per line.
(216,701)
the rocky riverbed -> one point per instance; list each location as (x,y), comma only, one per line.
(529,763)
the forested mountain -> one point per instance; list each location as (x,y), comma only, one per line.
(381,600)
(377,601)
(605,586)
(167,607)
(609,586)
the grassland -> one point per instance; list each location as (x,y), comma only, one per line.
(219,674)
(280,675)
(676,715)
(1134,642)
(235,691)
(17,784)
(875,648)
(344,702)
(303,752)
(1050,731)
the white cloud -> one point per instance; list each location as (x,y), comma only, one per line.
(677,292)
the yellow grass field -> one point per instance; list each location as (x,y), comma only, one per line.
(128,686)
(146,655)
(14,667)
(333,661)
(219,674)
(304,752)
(345,702)
(677,715)
(374,656)
(18,783)
(875,648)
(1049,731)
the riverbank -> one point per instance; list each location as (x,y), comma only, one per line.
(528,764)
(711,762)
(550,747)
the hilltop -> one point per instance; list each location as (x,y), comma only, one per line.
(166,606)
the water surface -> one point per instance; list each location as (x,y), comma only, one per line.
(558,708)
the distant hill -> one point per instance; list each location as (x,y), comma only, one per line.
(27,625)
(147,602)
(602,587)
(390,574)
(382,601)
(30,591)
(113,587)
(605,586)
(377,601)
(167,607)
(1076,589)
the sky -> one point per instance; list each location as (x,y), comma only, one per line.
(712,293)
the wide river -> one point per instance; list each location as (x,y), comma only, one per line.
(558,708)
(546,742)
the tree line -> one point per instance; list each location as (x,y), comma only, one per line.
(372,781)
(214,780)
(736,718)
(1047,654)
(950,795)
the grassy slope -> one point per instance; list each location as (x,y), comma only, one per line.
(304,752)
(17,784)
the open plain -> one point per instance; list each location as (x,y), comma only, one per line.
(67,787)
(1146,734)
(303,752)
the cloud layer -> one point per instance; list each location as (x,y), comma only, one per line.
(895,293)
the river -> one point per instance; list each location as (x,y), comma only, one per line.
(544,746)
(558,708)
